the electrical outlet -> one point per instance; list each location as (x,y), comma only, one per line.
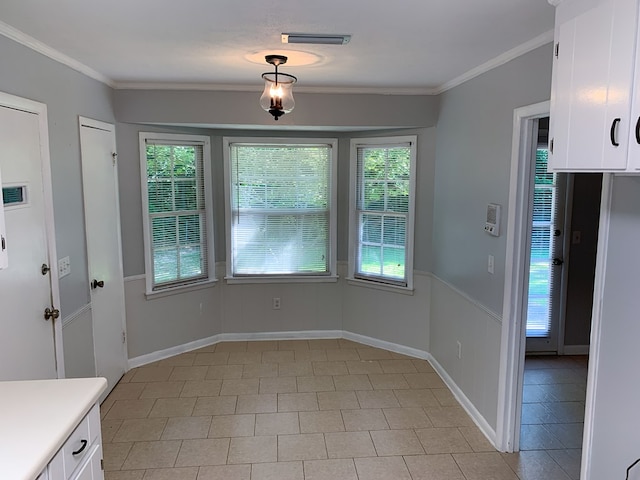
(64,267)
(276,303)
(490,263)
(459,349)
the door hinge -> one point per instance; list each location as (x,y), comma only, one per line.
(3,243)
(114,156)
(101,464)
(557,49)
(124,337)
(551,146)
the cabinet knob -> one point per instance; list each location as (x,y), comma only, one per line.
(638,131)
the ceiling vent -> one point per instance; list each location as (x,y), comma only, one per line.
(316,38)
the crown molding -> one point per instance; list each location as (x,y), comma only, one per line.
(36,45)
(507,56)
(258,88)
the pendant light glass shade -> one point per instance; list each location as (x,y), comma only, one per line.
(277,97)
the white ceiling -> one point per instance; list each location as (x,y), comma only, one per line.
(402,46)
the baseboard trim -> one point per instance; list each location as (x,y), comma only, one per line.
(576,350)
(230,337)
(473,412)
(392,347)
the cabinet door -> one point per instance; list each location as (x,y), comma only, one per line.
(91,470)
(634,134)
(593,79)
(4,259)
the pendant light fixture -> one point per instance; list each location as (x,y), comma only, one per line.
(277,97)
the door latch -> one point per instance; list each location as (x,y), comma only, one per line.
(49,313)
(45,269)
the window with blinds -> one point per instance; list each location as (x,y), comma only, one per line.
(382,210)
(281,208)
(541,271)
(177,239)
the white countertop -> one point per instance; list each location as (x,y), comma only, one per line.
(36,417)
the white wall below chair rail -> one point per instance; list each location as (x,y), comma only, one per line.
(159,323)
(77,336)
(455,317)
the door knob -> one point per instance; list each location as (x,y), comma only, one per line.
(97,283)
(48,313)
(558,261)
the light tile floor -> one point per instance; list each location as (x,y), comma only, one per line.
(301,410)
(553,408)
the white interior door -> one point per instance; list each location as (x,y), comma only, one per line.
(102,223)
(27,343)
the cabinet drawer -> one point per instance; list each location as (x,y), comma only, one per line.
(81,441)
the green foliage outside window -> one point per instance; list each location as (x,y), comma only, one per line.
(176,206)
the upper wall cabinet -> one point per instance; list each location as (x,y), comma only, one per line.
(595,111)
(4,259)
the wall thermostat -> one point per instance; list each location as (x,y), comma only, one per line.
(492,225)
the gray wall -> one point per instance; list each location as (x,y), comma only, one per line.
(473,156)
(616,435)
(241,109)
(582,258)
(316,115)
(67,94)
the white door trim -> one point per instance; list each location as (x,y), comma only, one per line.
(40,109)
(596,324)
(513,341)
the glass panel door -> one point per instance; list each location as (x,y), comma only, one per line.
(546,251)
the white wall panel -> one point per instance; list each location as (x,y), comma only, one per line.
(455,317)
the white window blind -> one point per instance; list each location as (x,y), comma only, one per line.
(280,199)
(383,198)
(541,271)
(176,208)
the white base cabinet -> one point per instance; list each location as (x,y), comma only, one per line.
(50,429)
(81,455)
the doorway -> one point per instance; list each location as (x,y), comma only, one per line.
(513,376)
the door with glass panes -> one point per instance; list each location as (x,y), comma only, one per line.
(545,301)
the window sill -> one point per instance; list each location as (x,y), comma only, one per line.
(357,282)
(181,289)
(283,279)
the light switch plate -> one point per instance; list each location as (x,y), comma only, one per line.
(64,267)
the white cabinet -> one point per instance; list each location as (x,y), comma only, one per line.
(80,456)
(50,429)
(591,122)
(3,233)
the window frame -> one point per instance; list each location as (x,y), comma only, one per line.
(381,282)
(331,276)
(178,139)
